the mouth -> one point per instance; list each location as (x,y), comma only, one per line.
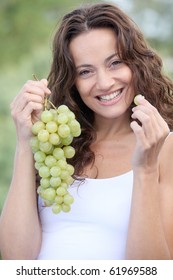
(110,97)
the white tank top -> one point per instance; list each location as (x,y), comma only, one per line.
(95,228)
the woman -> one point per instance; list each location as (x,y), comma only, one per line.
(123,208)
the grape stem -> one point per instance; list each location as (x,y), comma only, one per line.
(51,104)
(35,77)
(46,100)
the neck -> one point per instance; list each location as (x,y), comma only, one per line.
(112,128)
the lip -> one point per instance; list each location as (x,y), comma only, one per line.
(110,102)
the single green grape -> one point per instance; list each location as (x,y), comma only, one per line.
(56,208)
(55,182)
(46,147)
(34,144)
(61,191)
(69,151)
(68,199)
(67,140)
(55,171)
(137,98)
(59,199)
(58,153)
(53,111)
(62,163)
(50,161)
(44,171)
(54,139)
(46,116)
(37,126)
(49,194)
(74,126)
(62,118)
(37,165)
(64,174)
(39,156)
(70,169)
(43,135)
(51,127)
(77,133)
(63,130)
(44,183)
(69,180)
(48,203)
(70,115)
(66,208)
(62,109)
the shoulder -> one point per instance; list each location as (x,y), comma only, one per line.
(168,143)
(167,147)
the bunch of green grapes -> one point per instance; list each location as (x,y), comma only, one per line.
(51,145)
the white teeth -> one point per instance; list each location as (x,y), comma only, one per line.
(110,96)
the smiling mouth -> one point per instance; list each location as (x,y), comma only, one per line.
(111,96)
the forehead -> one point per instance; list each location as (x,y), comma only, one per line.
(93,43)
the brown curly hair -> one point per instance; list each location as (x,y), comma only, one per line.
(133,50)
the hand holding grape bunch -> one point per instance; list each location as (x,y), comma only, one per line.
(51,145)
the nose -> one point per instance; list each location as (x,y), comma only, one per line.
(104,80)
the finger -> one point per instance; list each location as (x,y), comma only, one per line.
(155,131)
(152,126)
(29,85)
(153,115)
(140,100)
(24,116)
(139,133)
(32,107)
(148,123)
(33,87)
(23,99)
(44,81)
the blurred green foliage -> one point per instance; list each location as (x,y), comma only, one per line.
(27,24)
(26,31)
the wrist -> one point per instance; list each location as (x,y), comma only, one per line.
(147,174)
(146,170)
(24,146)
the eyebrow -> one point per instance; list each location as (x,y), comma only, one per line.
(90,65)
(110,57)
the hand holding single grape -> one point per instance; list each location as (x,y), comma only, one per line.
(150,134)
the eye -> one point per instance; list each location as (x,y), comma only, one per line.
(115,63)
(85,73)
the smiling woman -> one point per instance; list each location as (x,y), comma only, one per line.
(123,175)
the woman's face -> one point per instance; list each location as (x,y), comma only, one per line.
(103,81)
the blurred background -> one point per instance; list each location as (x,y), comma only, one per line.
(26,32)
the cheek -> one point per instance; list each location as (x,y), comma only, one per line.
(128,79)
(82,87)
(127,74)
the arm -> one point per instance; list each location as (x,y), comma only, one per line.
(148,233)
(20,230)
